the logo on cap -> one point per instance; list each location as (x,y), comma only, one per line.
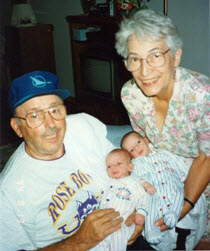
(39,81)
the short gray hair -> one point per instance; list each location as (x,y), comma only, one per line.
(148,25)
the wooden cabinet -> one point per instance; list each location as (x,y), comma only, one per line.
(80,47)
(30,48)
(108,111)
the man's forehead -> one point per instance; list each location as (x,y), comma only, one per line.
(39,102)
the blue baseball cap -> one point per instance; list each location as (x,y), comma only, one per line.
(34,84)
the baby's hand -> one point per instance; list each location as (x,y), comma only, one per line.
(139,219)
(150,189)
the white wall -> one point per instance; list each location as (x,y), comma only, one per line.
(193,22)
(191,17)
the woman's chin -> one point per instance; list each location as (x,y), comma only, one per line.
(149,93)
(149,90)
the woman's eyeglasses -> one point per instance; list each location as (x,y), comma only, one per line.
(155,60)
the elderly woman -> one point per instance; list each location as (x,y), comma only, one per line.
(166,103)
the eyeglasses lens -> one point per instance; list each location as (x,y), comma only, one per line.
(154,60)
(37,118)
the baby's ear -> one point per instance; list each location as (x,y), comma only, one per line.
(130,169)
(146,140)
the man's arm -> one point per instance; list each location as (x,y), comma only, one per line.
(196,182)
(94,229)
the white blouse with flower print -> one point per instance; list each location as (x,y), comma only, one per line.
(187,124)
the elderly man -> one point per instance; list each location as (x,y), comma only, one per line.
(51,185)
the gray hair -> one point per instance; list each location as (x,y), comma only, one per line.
(148,25)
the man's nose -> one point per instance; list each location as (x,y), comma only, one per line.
(49,121)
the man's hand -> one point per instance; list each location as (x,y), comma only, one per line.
(137,232)
(98,225)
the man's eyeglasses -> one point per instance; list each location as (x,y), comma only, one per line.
(36,118)
(155,60)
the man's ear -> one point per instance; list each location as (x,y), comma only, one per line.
(178,57)
(16,127)
(130,168)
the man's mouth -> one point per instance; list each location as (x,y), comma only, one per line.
(52,136)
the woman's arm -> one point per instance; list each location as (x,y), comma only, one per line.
(138,229)
(196,182)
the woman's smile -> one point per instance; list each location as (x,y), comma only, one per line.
(150,82)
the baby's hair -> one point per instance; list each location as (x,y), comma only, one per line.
(126,136)
(118,150)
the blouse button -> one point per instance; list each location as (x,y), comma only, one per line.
(159,171)
(162,183)
(164,197)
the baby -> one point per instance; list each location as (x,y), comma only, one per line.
(166,173)
(125,193)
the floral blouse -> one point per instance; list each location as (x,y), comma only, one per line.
(187,123)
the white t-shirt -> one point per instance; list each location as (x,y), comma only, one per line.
(43,202)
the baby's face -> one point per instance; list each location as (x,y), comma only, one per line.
(118,165)
(136,146)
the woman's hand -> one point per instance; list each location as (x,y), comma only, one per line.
(137,232)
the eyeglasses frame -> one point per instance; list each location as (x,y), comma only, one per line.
(140,59)
(18,117)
